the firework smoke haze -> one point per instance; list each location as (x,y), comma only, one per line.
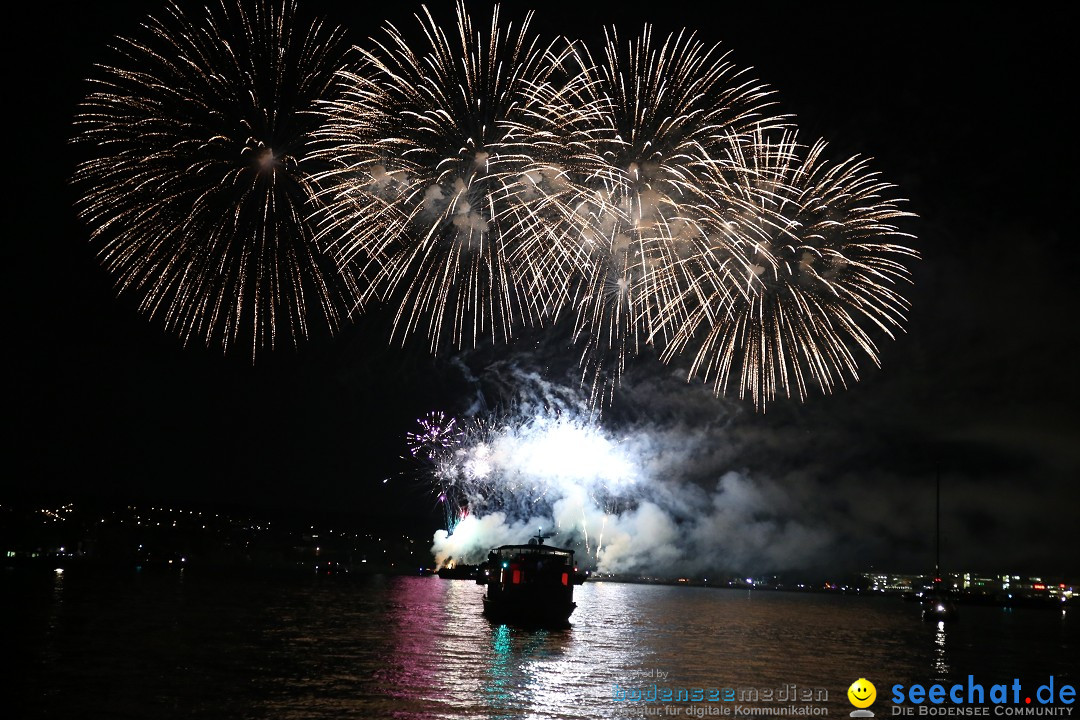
(624,500)
(201,185)
(707,486)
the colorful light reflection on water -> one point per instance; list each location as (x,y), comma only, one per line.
(418,647)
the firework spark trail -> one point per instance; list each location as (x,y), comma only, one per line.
(199,194)
(652,195)
(482,182)
(440,200)
(437,434)
(814,266)
(665,111)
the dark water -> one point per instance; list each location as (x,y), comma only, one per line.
(170,646)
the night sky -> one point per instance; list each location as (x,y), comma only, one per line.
(966,111)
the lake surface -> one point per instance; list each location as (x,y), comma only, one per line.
(176,646)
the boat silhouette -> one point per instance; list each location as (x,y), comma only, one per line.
(530,584)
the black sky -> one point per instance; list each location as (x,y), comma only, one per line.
(967,110)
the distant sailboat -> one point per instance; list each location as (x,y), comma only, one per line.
(938,606)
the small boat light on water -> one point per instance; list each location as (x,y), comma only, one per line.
(59,571)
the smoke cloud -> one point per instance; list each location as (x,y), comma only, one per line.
(643,498)
(672,481)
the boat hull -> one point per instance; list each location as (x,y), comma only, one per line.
(461,572)
(529,613)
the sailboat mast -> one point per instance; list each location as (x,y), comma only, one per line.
(937,529)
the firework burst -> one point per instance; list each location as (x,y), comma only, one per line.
(202,180)
(438,153)
(807,265)
(481,182)
(661,112)
(435,435)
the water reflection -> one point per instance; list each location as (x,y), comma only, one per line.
(58,588)
(413,648)
(500,678)
(517,668)
(416,615)
(940,665)
(444,658)
(54,616)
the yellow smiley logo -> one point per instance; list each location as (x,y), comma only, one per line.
(862,693)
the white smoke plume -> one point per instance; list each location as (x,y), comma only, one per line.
(631,501)
(672,481)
